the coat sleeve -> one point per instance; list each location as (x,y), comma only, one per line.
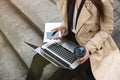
(106,28)
(62,7)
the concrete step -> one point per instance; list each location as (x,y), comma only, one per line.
(39,11)
(11,66)
(116,33)
(17,30)
(22,78)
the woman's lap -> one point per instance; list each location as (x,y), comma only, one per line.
(39,63)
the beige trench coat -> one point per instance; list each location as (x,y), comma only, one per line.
(95,34)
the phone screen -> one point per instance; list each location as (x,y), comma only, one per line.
(53,34)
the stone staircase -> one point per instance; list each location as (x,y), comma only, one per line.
(23,21)
(20,22)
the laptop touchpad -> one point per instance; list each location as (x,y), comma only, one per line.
(70,47)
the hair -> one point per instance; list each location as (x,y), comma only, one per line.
(99,5)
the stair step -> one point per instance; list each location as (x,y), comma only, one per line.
(17,30)
(39,11)
(11,66)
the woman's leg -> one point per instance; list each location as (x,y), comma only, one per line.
(89,71)
(83,71)
(66,74)
(61,74)
(36,69)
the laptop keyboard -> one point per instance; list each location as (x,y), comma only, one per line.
(63,52)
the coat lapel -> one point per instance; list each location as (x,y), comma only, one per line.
(83,17)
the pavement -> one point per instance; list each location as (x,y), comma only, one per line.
(116,32)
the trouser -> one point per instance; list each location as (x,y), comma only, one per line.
(38,64)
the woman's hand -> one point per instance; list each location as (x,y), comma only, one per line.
(62,30)
(84,58)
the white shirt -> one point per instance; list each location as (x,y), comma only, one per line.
(74,19)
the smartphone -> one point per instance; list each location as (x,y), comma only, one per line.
(53,34)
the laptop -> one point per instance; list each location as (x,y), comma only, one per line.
(59,53)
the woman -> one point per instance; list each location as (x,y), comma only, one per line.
(90,23)
(92,28)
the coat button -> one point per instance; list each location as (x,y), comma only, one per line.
(101,48)
(97,49)
(92,36)
(90,31)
